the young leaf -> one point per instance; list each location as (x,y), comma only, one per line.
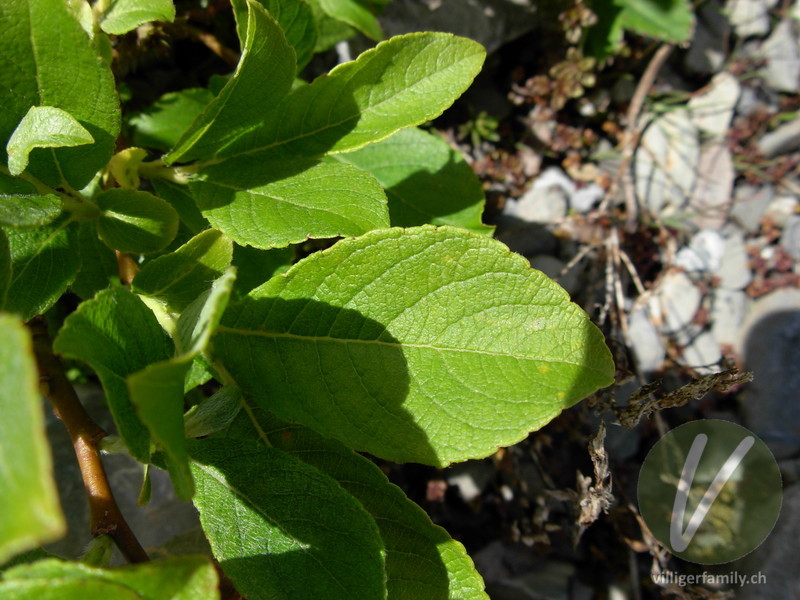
(134,221)
(162,124)
(273,204)
(55,65)
(116,335)
(401,82)
(213,414)
(44,262)
(43,127)
(428,344)
(180,277)
(29,211)
(422,561)
(175,578)
(355,13)
(157,390)
(245,99)
(425,180)
(295,18)
(30,514)
(282,529)
(123,16)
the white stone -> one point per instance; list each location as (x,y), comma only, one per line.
(782,72)
(704,252)
(675,302)
(702,353)
(646,343)
(734,270)
(750,17)
(728,309)
(712,110)
(711,197)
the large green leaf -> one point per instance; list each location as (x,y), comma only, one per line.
(180,277)
(116,335)
(134,221)
(29,211)
(273,204)
(670,20)
(282,529)
(427,344)
(44,261)
(157,390)
(29,511)
(176,578)
(264,76)
(401,82)
(422,561)
(123,16)
(295,18)
(162,124)
(425,180)
(43,127)
(181,200)
(99,266)
(50,61)
(254,266)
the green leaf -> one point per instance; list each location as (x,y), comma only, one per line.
(282,529)
(5,267)
(116,335)
(99,267)
(43,127)
(213,414)
(157,391)
(29,211)
(134,221)
(422,561)
(255,266)
(30,514)
(669,20)
(181,200)
(180,277)
(55,65)
(162,124)
(295,18)
(425,180)
(44,262)
(14,186)
(355,14)
(175,578)
(431,345)
(402,82)
(123,16)
(246,99)
(273,204)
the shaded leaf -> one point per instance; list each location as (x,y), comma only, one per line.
(29,211)
(99,267)
(162,124)
(356,14)
(134,221)
(123,16)
(306,538)
(30,514)
(213,414)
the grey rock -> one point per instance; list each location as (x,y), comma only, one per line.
(782,72)
(728,308)
(646,343)
(586,197)
(750,204)
(785,138)
(675,302)
(734,270)
(776,558)
(748,101)
(780,209)
(750,17)
(712,110)
(490,22)
(790,238)
(769,343)
(665,163)
(711,197)
(547,201)
(703,254)
(707,53)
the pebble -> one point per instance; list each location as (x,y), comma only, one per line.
(780,209)
(709,46)
(701,351)
(703,254)
(712,110)
(547,200)
(750,17)
(470,477)
(782,72)
(790,238)
(749,205)
(769,344)
(782,140)
(711,197)
(734,271)
(665,164)
(728,308)
(675,302)
(646,343)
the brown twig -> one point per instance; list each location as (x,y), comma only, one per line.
(630,137)
(105,516)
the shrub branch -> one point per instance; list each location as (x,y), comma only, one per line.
(104,514)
